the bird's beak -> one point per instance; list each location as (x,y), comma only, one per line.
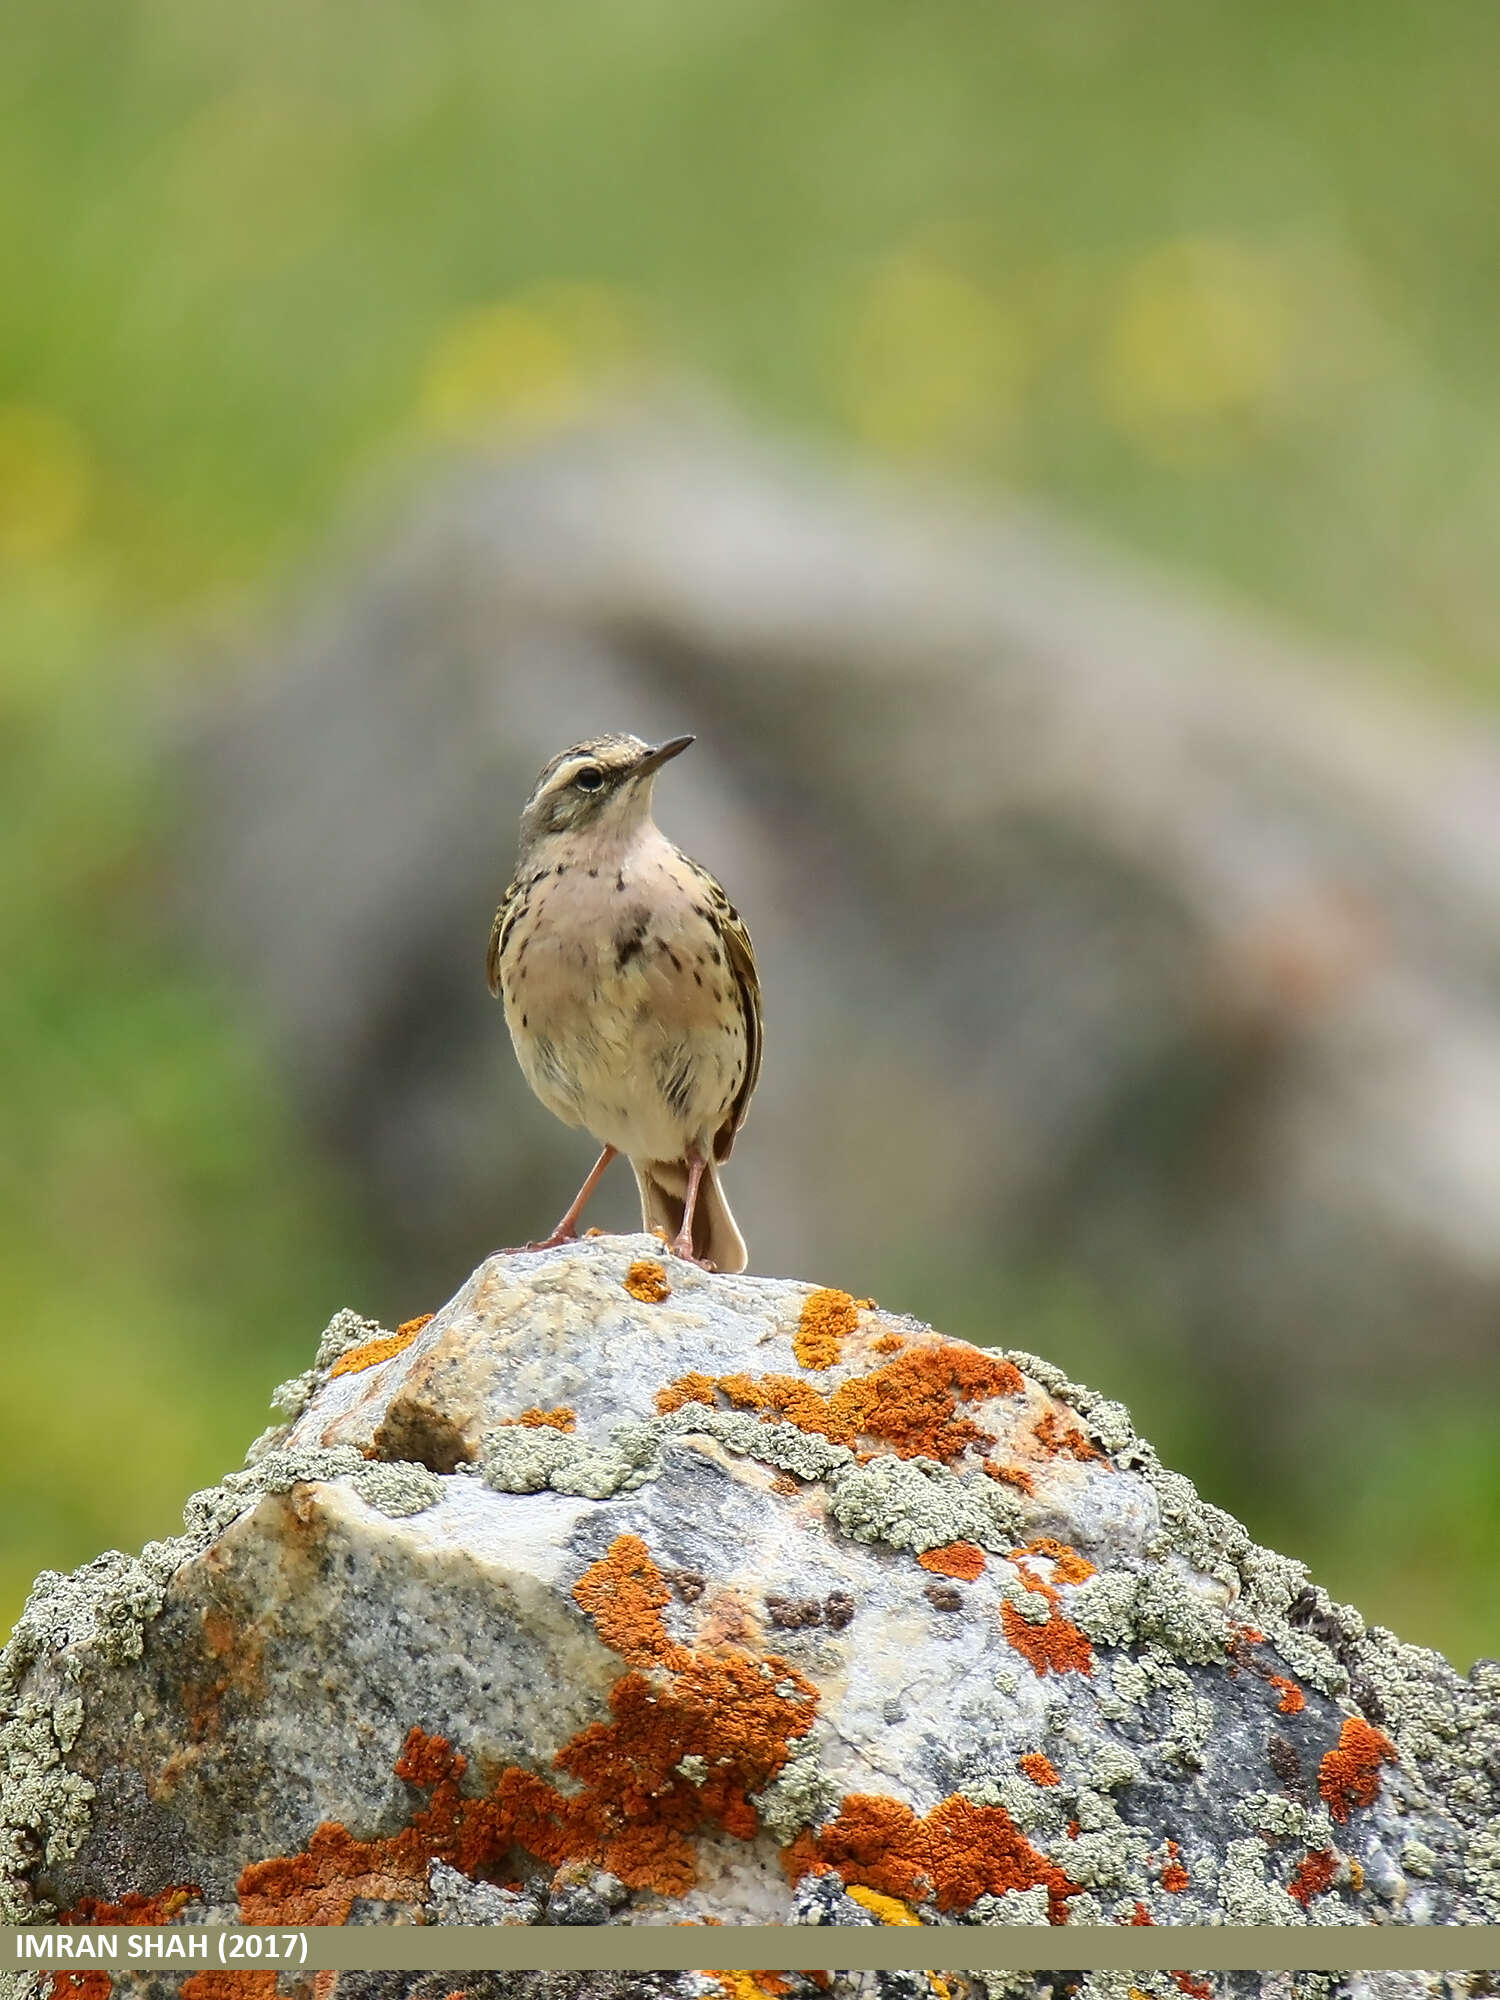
(654,759)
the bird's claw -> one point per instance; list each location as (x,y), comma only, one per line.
(684,1250)
(542,1243)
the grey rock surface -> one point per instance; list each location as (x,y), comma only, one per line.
(800,1613)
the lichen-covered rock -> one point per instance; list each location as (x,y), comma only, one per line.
(829,1984)
(617,1592)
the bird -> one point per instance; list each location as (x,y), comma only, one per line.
(630,991)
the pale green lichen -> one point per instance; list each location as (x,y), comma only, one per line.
(345,1331)
(1086,1908)
(1015,1906)
(918,1504)
(44,1807)
(521,1460)
(1107,1858)
(1190,1715)
(1027,1604)
(290,1399)
(1100,1850)
(1112,1764)
(1284,1818)
(805,1454)
(801,1794)
(1039,1811)
(1128,1678)
(397,1487)
(1121,1985)
(1483,1858)
(1246,1897)
(1103,1607)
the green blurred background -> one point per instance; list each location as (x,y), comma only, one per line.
(1220,281)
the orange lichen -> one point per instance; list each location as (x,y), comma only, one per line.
(229,1986)
(623,1595)
(1039,1768)
(631,1809)
(1141,1915)
(1314,1876)
(371,1353)
(958,1852)
(646,1280)
(1349,1775)
(1055,1439)
(79,1986)
(1057,1647)
(692,1388)
(889,1343)
(960,1559)
(910,1405)
(560,1419)
(828,1317)
(1198,1988)
(1011,1475)
(1174,1878)
(1068,1566)
(159,1908)
(1293,1700)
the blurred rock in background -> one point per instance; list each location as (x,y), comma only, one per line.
(1099,931)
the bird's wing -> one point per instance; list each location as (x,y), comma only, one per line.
(741,954)
(505,916)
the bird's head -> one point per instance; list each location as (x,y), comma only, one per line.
(601,787)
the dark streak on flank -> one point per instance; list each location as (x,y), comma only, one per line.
(629,942)
(676,1075)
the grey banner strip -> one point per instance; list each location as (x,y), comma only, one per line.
(749,1947)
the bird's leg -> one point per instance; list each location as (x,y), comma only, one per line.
(567,1229)
(682,1242)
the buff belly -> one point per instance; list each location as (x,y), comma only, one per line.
(619,1052)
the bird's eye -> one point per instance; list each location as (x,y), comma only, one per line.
(589,779)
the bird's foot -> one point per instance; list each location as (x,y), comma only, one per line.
(542,1243)
(682,1246)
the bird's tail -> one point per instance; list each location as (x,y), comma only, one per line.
(716,1236)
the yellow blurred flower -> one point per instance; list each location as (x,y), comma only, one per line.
(935,364)
(1200,336)
(46,483)
(536,359)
